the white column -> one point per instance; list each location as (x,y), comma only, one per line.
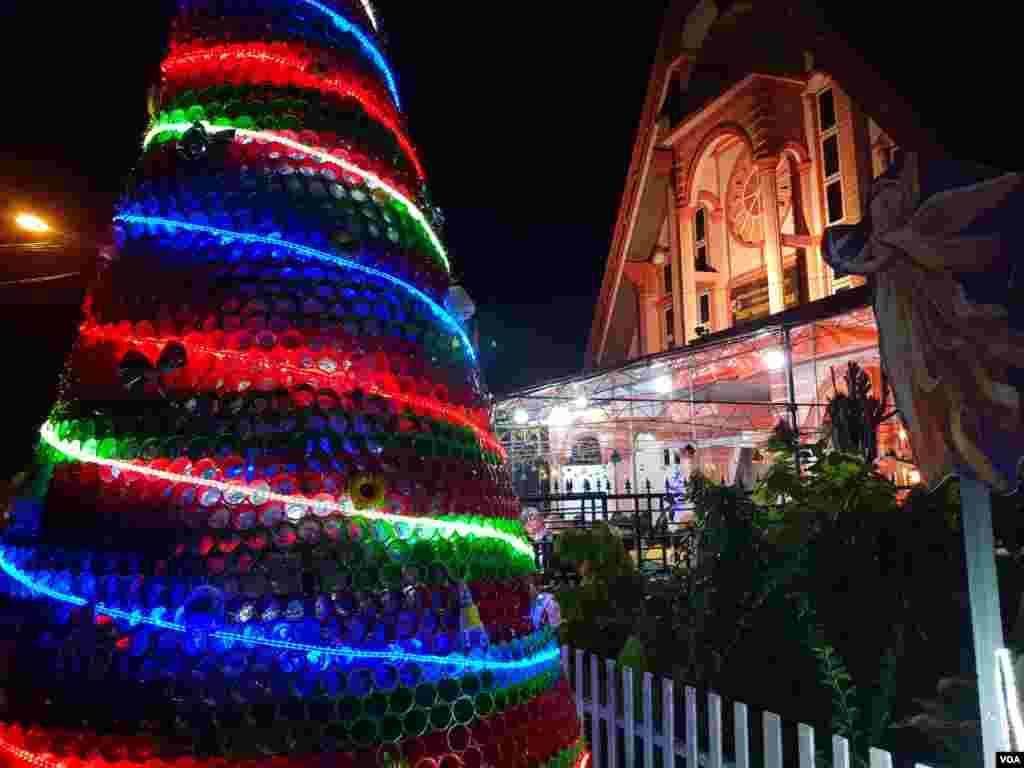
(684,215)
(815,192)
(772,237)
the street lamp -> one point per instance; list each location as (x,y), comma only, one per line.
(37,225)
(32,223)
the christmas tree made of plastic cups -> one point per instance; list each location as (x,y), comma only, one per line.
(270,524)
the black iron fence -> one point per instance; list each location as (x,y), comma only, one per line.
(656,529)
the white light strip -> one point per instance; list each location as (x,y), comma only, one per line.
(70,449)
(369,12)
(1010,698)
(371,179)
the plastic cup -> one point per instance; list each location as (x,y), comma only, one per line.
(484,704)
(425,695)
(449,689)
(365,733)
(415,722)
(391,729)
(440,716)
(463,710)
(400,700)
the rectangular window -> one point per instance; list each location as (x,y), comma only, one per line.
(667,269)
(705,308)
(827,110)
(831,165)
(700,241)
(834,196)
(670,326)
(666,459)
(830,156)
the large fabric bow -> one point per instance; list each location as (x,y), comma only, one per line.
(951,359)
(139,375)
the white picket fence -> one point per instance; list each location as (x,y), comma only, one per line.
(605,748)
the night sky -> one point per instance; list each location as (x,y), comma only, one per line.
(524,114)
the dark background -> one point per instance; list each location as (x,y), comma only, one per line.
(524,114)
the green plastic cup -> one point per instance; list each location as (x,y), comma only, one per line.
(365,733)
(449,690)
(463,710)
(415,722)
(376,706)
(390,729)
(425,695)
(440,717)
(484,704)
(400,701)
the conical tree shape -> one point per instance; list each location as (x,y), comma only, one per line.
(271,518)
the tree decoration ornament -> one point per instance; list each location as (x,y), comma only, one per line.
(271,517)
(195,143)
(138,374)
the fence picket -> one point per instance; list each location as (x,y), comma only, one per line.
(879,758)
(648,721)
(611,686)
(772,740)
(805,741)
(840,752)
(595,713)
(691,727)
(668,724)
(741,735)
(605,752)
(714,730)
(628,717)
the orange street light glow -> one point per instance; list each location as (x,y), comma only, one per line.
(31,222)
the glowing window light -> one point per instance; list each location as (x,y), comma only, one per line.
(31,223)
(49,434)
(313,253)
(324,157)
(449,413)
(914,477)
(1011,699)
(333,84)
(335,651)
(520,416)
(346,26)
(369,12)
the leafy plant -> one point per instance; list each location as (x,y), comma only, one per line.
(854,415)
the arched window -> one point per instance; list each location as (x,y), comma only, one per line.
(586,450)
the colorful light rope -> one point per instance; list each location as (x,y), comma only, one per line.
(335,651)
(313,253)
(416,401)
(70,449)
(324,157)
(335,85)
(367,45)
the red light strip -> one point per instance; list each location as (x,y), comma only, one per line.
(287,59)
(452,414)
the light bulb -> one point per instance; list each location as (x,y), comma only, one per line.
(663,385)
(774,359)
(581,402)
(520,416)
(560,416)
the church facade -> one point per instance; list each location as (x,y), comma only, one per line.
(717,316)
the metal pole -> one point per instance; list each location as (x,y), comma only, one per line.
(986,616)
(787,348)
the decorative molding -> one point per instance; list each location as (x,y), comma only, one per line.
(715,134)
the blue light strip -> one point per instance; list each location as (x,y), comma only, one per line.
(346,26)
(336,651)
(313,253)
